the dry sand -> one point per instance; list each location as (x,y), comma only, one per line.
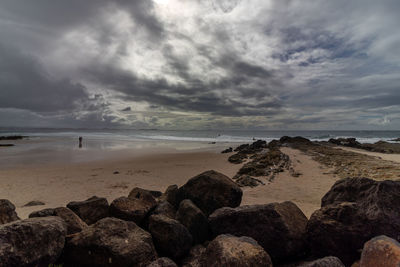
(57,184)
(388,157)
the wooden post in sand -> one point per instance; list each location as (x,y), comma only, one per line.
(80,141)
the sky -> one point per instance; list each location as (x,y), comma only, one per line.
(200,64)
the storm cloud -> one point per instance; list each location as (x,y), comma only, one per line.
(194,64)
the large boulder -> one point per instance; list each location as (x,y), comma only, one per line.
(110,242)
(278,227)
(194,220)
(171,238)
(381,251)
(73,222)
(354,211)
(194,257)
(164,208)
(163,262)
(131,209)
(211,190)
(7,212)
(144,194)
(32,242)
(90,210)
(228,250)
(170,195)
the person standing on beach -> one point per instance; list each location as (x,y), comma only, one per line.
(80,141)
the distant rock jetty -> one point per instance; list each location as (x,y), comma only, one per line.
(202,224)
(10,138)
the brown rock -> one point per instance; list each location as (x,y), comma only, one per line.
(42,213)
(171,238)
(32,242)
(110,242)
(278,227)
(34,203)
(211,190)
(131,209)
(228,250)
(164,208)
(170,195)
(324,262)
(194,220)
(381,251)
(194,257)
(247,180)
(7,212)
(90,210)
(144,194)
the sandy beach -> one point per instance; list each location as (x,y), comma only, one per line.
(57,178)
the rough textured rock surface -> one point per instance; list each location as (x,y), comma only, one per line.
(144,194)
(170,195)
(164,208)
(193,257)
(211,190)
(329,261)
(73,222)
(278,227)
(32,242)
(163,262)
(90,210)
(194,220)
(228,250)
(131,209)
(34,203)
(7,212)
(381,251)
(171,238)
(247,180)
(354,211)
(110,242)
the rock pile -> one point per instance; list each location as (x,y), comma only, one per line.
(204,225)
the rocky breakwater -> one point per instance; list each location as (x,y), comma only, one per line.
(202,224)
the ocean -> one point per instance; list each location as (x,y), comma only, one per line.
(218,136)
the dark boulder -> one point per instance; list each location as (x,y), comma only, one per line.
(171,238)
(131,209)
(294,140)
(211,190)
(247,180)
(237,158)
(7,212)
(228,250)
(170,195)
(32,242)
(228,150)
(90,210)
(278,227)
(164,208)
(73,222)
(350,142)
(34,203)
(194,256)
(242,147)
(110,242)
(144,194)
(324,262)
(163,262)
(354,211)
(194,220)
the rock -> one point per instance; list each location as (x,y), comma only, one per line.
(211,190)
(131,209)
(237,158)
(247,180)
(42,213)
(228,150)
(32,242)
(164,208)
(170,195)
(7,212)
(324,262)
(258,145)
(144,194)
(34,203)
(294,140)
(355,209)
(381,251)
(228,250)
(163,262)
(116,172)
(242,147)
(90,210)
(350,142)
(278,227)
(170,237)
(110,242)
(195,221)
(73,222)
(194,257)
